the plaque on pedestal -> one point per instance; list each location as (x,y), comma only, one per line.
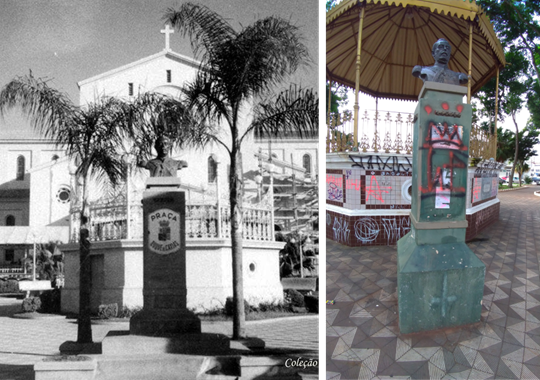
(164,263)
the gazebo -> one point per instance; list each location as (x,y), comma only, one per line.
(373,45)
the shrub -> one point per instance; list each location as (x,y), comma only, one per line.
(108,311)
(50,301)
(31,304)
(294,298)
(229,306)
(128,312)
(528,180)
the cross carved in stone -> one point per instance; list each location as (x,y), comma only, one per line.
(444,300)
(167,31)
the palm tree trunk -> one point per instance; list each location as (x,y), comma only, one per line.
(84,326)
(236,200)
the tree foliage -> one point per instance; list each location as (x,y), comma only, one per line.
(516,23)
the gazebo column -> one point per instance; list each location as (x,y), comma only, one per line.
(357,82)
(470,63)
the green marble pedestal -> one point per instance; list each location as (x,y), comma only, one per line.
(440,280)
(439,285)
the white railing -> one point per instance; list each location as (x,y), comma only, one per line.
(11,269)
(203,221)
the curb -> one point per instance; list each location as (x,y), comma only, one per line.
(517,188)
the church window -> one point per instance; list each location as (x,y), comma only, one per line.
(212,170)
(20,168)
(306,163)
(63,195)
(10,220)
(169,76)
(130,89)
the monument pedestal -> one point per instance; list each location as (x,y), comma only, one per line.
(164,263)
(439,285)
(440,280)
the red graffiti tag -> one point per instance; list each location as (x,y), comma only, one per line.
(376,190)
(353,184)
(448,138)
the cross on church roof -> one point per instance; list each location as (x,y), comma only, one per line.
(167,31)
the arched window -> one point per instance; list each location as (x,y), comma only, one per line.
(306,163)
(20,168)
(212,170)
(10,220)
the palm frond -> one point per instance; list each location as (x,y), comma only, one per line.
(205,28)
(295,110)
(263,55)
(49,110)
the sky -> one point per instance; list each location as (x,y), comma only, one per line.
(68,41)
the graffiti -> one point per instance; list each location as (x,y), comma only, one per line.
(372,160)
(348,173)
(341,230)
(366,230)
(353,184)
(334,193)
(440,181)
(391,229)
(375,190)
(337,180)
(395,228)
(328,219)
(488,169)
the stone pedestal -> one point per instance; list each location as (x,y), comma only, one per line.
(440,280)
(164,263)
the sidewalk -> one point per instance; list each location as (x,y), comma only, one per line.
(362,336)
(27,341)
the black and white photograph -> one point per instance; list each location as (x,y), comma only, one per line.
(159,202)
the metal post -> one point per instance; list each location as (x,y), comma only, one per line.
(34,266)
(357,82)
(128,204)
(470,63)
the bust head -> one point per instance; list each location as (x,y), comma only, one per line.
(441,51)
(163,146)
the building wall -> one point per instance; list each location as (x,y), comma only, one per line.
(368,198)
(118,274)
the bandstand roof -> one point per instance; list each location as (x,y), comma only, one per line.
(398,35)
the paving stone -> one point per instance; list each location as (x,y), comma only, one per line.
(509,334)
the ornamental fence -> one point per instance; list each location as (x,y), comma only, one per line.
(391,132)
(203,221)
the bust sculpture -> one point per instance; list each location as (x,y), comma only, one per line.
(440,72)
(163,165)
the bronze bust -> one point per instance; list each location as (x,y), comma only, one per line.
(440,72)
(163,165)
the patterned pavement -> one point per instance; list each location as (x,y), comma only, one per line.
(27,341)
(362,335)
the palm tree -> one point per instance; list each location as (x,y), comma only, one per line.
(91,138)
(240,71)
